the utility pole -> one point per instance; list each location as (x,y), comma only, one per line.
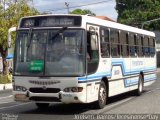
(32,3)
(4,7)
(4,4)
(67,5)
(15,2)
(149,21)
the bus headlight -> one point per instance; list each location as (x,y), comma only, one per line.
(73,89)
(19,88)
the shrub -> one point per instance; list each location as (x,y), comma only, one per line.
(4,79)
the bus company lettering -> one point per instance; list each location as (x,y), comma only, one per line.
(137,63)
(116,72)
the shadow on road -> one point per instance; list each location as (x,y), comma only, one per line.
(123,96)
(62,109)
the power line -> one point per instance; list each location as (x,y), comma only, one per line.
(105,1)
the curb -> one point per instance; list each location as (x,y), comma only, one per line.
(158,69)
(5,86)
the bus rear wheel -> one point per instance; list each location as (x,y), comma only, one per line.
(102,96)
(42,105)
(140,86)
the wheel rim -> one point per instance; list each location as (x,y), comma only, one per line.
(102,95)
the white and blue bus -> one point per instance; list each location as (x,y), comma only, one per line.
(80,59)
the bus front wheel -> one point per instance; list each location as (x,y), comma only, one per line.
(102,96)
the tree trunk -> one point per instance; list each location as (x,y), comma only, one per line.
(5,70)
(4,60)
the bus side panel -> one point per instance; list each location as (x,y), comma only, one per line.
(93,80)
(137,66)
(120,79)
(150,71)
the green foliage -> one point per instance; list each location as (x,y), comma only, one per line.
(136,12)
(8,18)
(82,12)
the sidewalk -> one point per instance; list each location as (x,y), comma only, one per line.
(5,86)
(158,69)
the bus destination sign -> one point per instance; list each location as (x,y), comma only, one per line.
(51,21)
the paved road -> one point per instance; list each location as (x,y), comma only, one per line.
(128,103)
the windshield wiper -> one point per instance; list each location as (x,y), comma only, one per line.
(29,37)
(60,31)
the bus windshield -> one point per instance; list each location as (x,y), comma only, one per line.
(57,52)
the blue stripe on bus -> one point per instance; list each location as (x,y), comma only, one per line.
(136,81)
(125,72)
(94,76)
(127,82)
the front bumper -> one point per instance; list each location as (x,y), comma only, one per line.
(61,96)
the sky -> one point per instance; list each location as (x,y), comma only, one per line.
(99,7)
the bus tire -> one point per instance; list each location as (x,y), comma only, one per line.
(140,85)
(42,105)
(102,96)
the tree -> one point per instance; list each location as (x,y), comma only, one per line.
(136,12)
(82,12)
(8,18)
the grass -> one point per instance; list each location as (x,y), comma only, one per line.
(4,79)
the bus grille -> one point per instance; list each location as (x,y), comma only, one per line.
(49,99)
(47,90)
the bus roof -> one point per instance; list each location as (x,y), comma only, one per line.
(101,22)
(115,25)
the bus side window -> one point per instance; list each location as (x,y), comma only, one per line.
(105,43)
(124,44)
(152,47)
(132,44)
(92,52)
(115,46)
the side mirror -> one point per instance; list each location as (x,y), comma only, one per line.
(92,30)
(12,29)
(93,38)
